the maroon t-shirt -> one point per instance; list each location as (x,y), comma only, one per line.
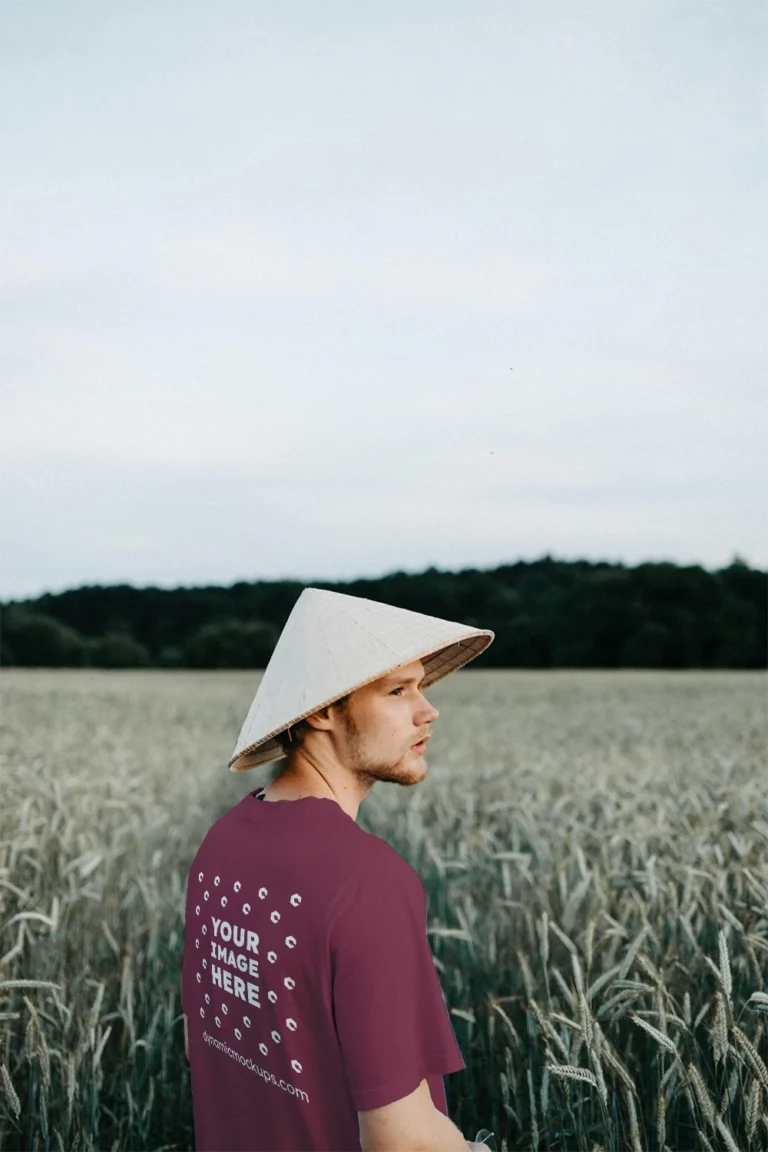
(307,980)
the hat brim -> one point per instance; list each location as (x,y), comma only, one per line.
(439,661)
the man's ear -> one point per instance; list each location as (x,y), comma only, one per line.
(321,719)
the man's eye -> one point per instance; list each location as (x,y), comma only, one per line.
(394,690)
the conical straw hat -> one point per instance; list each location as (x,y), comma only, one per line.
(333,644)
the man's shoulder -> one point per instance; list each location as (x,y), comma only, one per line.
(380,866)
(217,831)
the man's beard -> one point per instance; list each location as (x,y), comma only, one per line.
(362,761)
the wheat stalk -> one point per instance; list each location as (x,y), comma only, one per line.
(571,1072)
(753,1056)
(758,1002)
(632,951)
(586,1020)
(534,1121)
(613,1061)
(602,1088)
(719,1031)
(727,1135)
(661,1119)
(10,1092)
(562,936)
(544,1097)
(28,984)
(659,1037)
(752,1108)
(634,1130)
(544,940)
(725,966)
(706,1103)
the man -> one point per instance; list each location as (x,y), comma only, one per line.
(313,1014)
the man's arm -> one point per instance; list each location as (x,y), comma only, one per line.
(186,1036)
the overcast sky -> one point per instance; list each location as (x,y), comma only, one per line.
(324,290)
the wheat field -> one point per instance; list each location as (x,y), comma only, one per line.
(594,847)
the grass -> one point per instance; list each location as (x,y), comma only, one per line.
(594,847)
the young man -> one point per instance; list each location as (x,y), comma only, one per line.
(313,1014)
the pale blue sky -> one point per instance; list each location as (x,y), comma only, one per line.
(266,268)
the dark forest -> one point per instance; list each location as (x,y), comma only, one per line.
(546,613)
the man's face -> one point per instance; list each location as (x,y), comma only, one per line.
(381,724)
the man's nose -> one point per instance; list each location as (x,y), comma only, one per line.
(432,713)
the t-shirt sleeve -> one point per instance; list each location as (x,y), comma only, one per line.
(391,1019)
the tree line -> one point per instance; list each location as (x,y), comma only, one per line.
(546,613)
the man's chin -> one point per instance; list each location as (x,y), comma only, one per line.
(414,773)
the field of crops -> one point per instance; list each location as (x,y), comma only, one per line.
(594,847)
